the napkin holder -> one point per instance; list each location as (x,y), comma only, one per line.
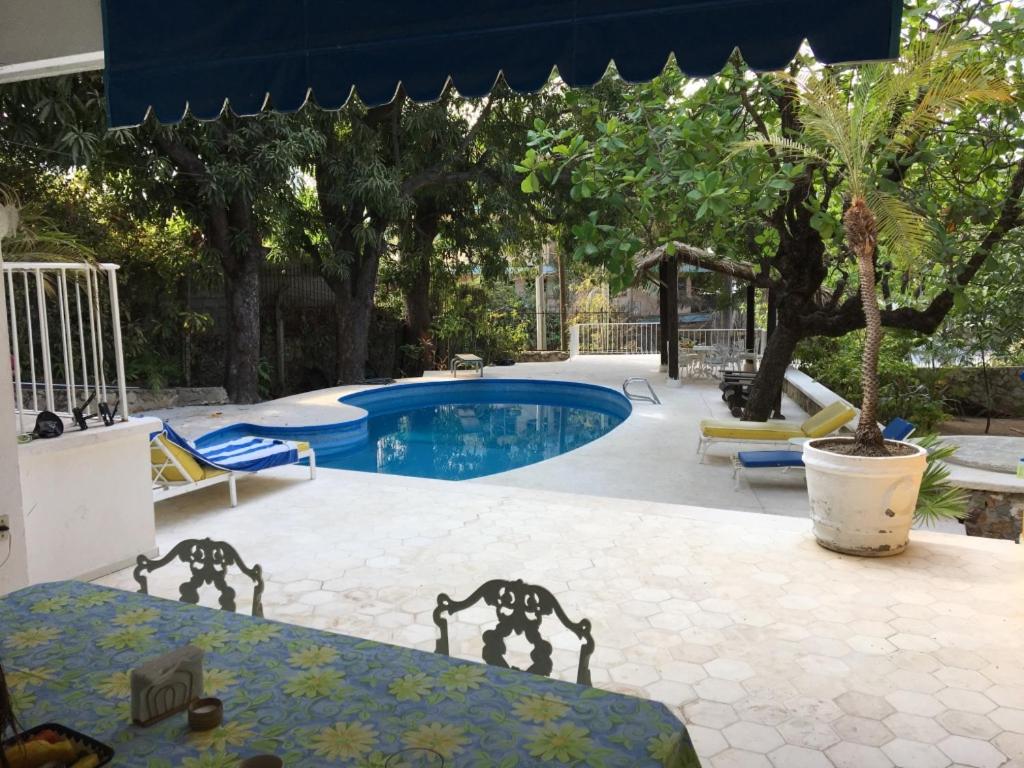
(166,685)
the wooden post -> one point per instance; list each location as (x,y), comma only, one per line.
(562,301)
(772,310)
(672,303)
(750,317)
(663,312)
(279,341)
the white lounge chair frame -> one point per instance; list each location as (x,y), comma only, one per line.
(168,489)
(704,442)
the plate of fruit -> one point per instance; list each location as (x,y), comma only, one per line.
(52,745)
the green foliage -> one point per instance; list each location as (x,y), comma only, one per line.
(938,500)
(836,364)
(486,320)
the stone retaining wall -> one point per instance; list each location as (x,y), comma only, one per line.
(140,400)
(967,386)
(542,356)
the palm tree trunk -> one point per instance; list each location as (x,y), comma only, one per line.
(862,235)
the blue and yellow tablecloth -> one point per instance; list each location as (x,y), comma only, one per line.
(314,698)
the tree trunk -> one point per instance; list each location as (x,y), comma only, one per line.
(418,314)
(862,234)
(353,306)
(242,337)
(767,387)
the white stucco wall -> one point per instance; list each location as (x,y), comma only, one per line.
(87,500)
(14,572)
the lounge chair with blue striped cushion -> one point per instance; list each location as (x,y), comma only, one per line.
(180,466)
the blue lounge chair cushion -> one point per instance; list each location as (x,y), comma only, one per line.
(766,459)
(898,429)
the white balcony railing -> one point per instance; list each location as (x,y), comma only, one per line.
(645,338)
(65,333)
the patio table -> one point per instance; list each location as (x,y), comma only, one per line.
(313,698)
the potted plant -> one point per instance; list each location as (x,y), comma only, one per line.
(863,490)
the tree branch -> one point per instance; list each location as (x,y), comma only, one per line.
(850,315)
(928,319)
(437,176)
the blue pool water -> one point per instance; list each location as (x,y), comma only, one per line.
(467,429)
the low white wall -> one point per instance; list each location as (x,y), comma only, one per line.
(87,501)
(812,396)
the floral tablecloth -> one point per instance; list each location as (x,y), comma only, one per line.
(314,698)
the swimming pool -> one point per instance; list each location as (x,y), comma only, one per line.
(462,430)
(455,430)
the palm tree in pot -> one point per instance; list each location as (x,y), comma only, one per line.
(863,128)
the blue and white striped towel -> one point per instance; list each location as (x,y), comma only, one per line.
(250,454)
(244,454)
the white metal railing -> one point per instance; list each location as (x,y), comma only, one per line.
(616,338)
(60,355)
(645,338)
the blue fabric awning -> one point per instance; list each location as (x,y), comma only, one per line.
(199,56)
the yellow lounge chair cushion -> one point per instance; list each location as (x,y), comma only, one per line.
(824,422)
(828,420)
(193,468)
(750,430)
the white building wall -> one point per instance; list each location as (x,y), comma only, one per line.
(14,571)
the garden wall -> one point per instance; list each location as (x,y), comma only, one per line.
(966,388)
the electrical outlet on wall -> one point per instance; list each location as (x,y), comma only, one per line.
(5,525)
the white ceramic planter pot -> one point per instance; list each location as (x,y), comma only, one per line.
(863,505)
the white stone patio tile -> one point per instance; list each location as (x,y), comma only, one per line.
(913,680)
(752,737)
(764,712)
(862,730)
(973,752)
(707,741)
(710,714)
(822,710)
(970,679)
(913,642)
(729,669)
(915,703)
(864,705)
(915,728)
(915,754)
(968,701)
(1011,745)
(723,691)
(847,755)
(969,724)
(634,674)
(790,756)
(915,661)
(300,586)
(803,732)
(1007,695)
(670,692)
(1008,718)
(739,758)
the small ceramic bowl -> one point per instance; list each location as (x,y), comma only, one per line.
(205,714)
(262,761)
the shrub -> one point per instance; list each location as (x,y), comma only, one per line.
(836,364)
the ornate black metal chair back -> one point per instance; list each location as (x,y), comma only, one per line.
(209,562)
(520,609)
